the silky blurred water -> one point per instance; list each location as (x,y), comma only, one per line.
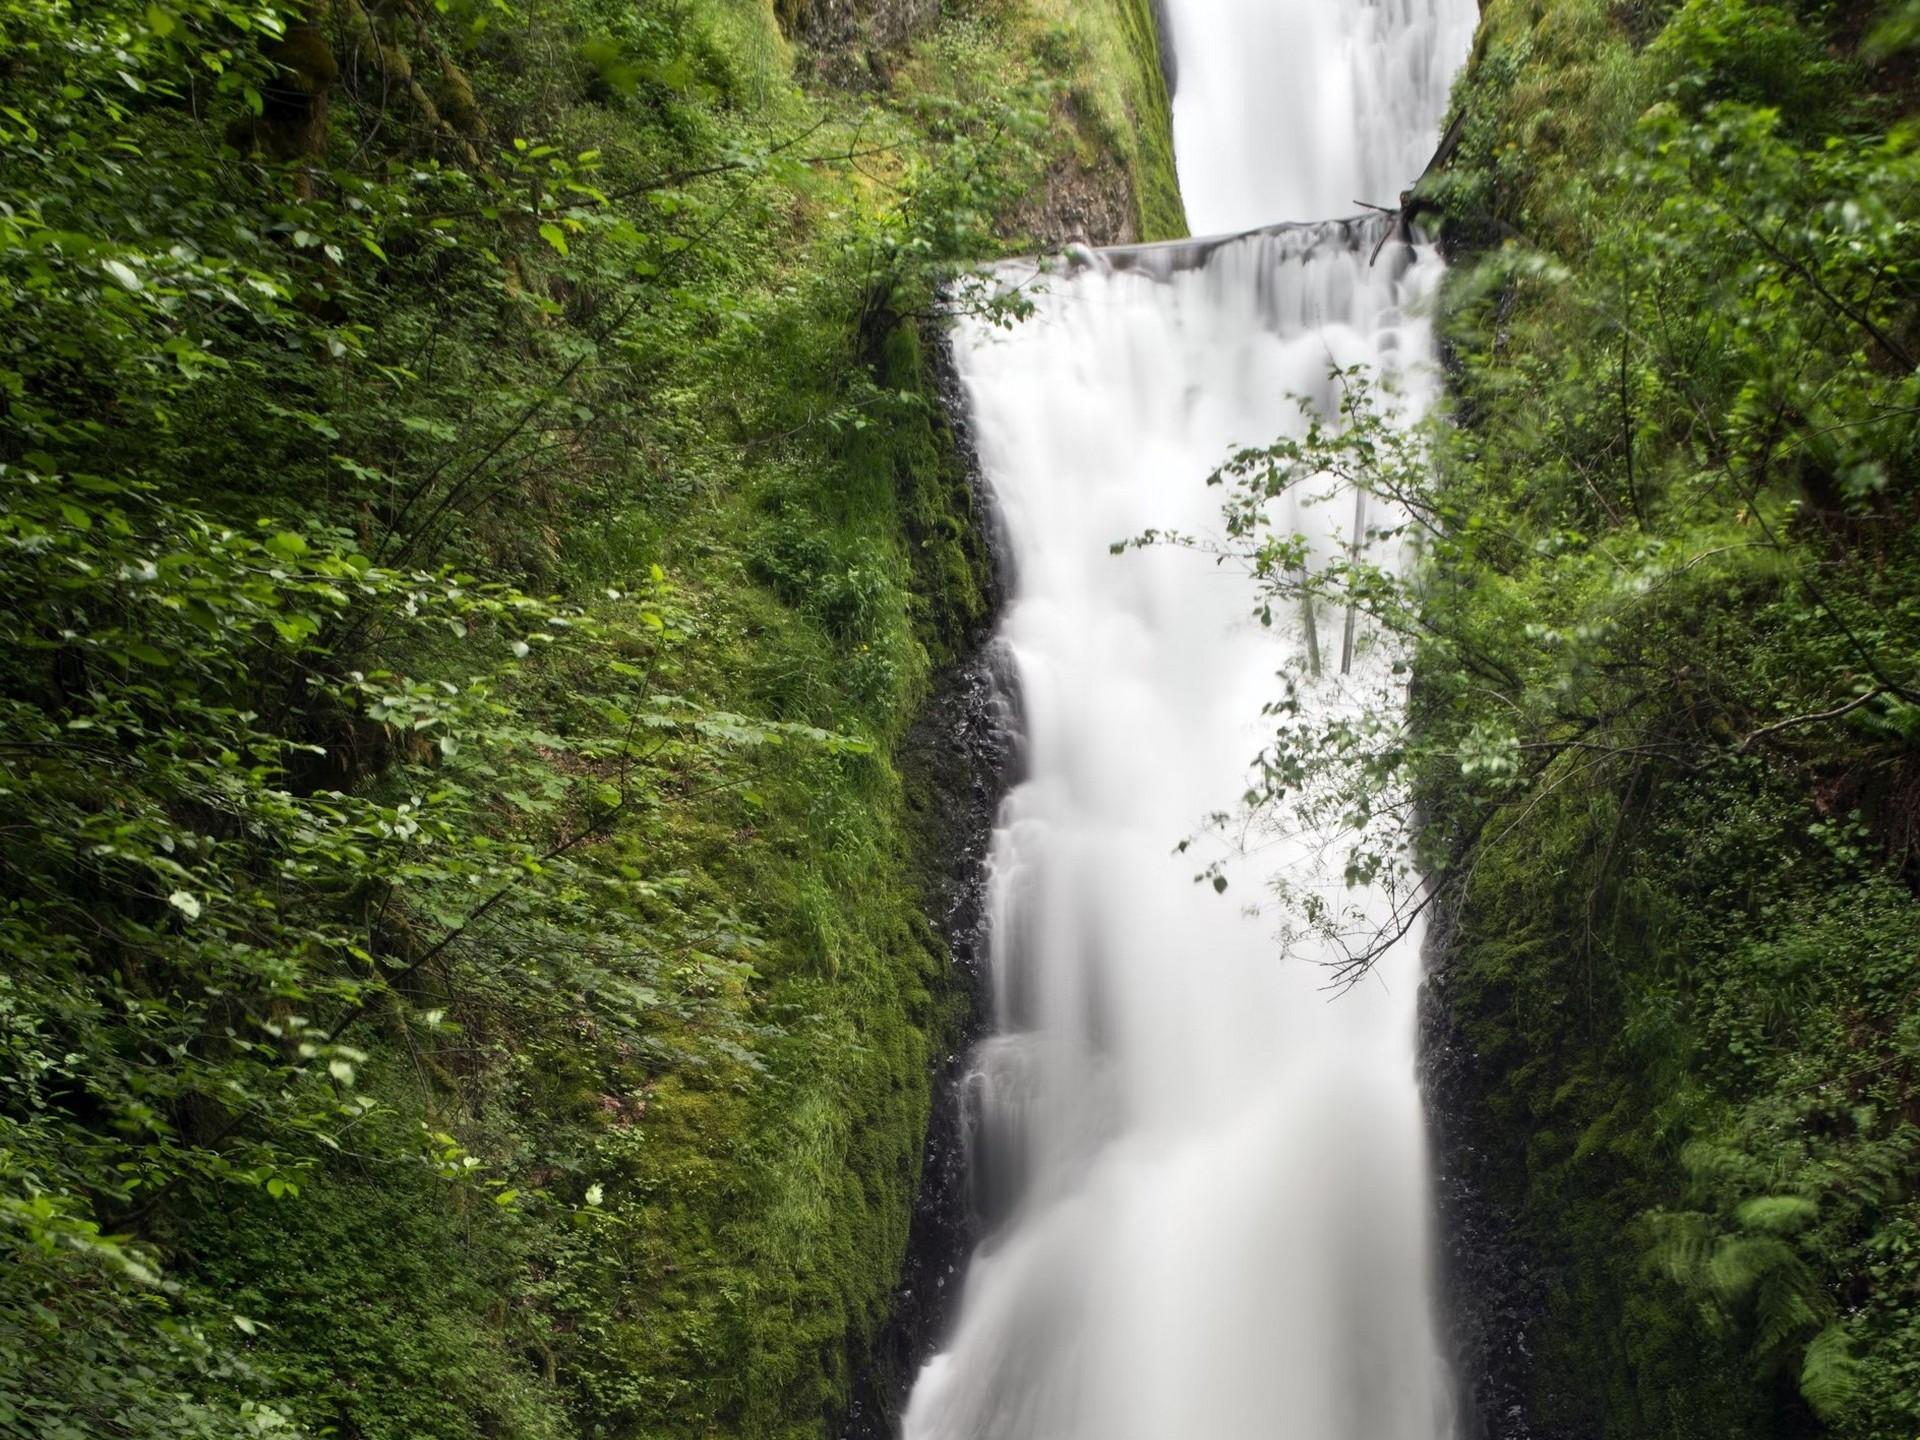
(1301,109)
(1207,1178)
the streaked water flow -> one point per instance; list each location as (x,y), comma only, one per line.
(1206,1181)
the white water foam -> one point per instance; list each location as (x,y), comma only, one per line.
(1211,1179)
(1302,109)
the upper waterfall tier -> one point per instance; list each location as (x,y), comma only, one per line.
(1286,240)
(1294,109)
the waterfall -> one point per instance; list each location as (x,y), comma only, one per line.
(1205,1178)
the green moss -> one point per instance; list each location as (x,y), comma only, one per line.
(1576,1155)
(1156,181)
(1109,61)
(1119,85)
(1109,151)
(755,1131)
(1682,960)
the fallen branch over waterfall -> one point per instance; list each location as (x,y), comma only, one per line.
(1412,201)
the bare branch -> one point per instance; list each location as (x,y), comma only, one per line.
(1816,717)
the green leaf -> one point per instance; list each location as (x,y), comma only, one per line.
(295,628)
(554,236)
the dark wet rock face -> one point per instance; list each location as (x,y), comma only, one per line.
(1493,1294)
(960,759)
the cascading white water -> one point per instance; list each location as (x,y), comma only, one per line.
(1301,109)
(1214,1178)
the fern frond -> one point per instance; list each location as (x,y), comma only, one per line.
(1740,1262)
(1709,1161)
(1682,1245)
(1830,1373)
(1777,1214)
(1786,1306)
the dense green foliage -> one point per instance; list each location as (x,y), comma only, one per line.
(1687,929)
(476,522)
(1664,738)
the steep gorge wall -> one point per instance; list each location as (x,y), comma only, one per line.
(1672,1048)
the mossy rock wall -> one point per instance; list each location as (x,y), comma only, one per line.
(1670,1030)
